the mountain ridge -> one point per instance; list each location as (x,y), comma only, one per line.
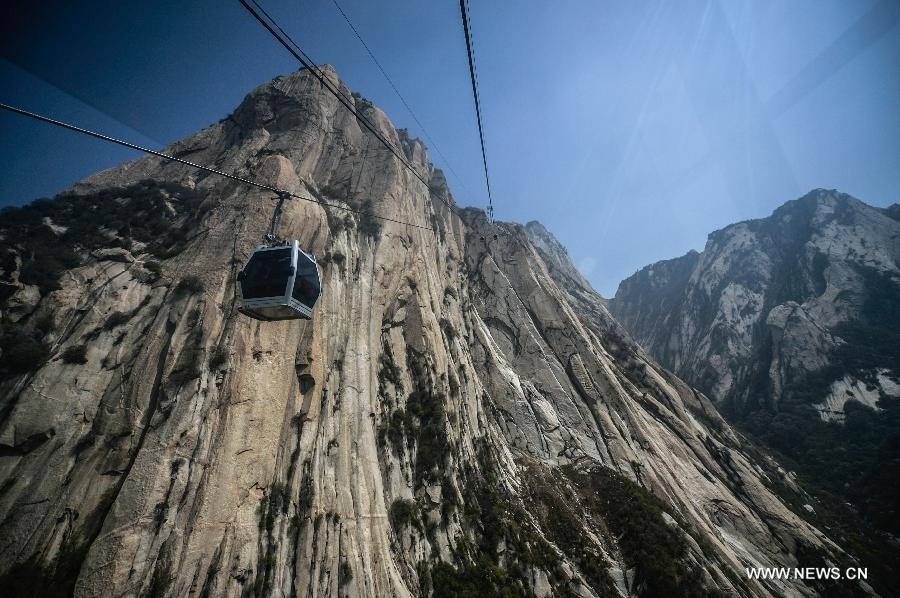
(791,229)
(789,323)
(447,422)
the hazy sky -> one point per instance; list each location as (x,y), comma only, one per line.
(631,129)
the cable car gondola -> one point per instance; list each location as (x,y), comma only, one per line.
(280,281)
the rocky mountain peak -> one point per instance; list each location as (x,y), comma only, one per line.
(816,252)
(461,413)
(790,323)
(557,258)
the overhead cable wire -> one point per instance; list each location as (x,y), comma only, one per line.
(464,11)
(291,46)
(246,181)
(320,75)
(309,61)
(309,64)
(397,91)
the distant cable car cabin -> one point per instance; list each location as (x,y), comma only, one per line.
(280,281)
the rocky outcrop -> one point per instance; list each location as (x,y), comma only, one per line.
(779,308)
(460,415)
(791,324)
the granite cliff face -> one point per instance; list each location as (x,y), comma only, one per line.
(799,306)
(791,324)
(461,414)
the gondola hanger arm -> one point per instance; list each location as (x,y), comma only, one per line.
(272,237)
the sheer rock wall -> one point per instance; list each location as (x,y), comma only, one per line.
(444,379)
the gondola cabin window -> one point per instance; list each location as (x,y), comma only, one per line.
(267,273)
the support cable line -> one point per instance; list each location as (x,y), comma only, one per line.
(397,91)
(309,64)
(280,192)
(464,10)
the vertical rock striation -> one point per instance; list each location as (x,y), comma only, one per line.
(779,309)
(791,323)
(461,414)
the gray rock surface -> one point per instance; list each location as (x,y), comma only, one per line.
(791,325)
(198,452)
(778,308)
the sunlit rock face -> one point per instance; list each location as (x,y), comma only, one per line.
(461,414)
(791,324)
(800,307)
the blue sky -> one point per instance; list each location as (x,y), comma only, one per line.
(630,129)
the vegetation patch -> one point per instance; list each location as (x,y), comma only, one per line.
(493,517)
(153,267)
(156,213)
(341,192)
(482,579)
(369,224)
(219,358)
(75,354)
(338,220)
(564,520)
(448,329)
(21,352)
(657,551)
(345,573)
(426,423)
(403,513)
(393,431)
(190,285)
(421,427)
(273,504)
(363,104)
(305,496)
(57,578)
(858,460)
(388,377)
(855,462)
